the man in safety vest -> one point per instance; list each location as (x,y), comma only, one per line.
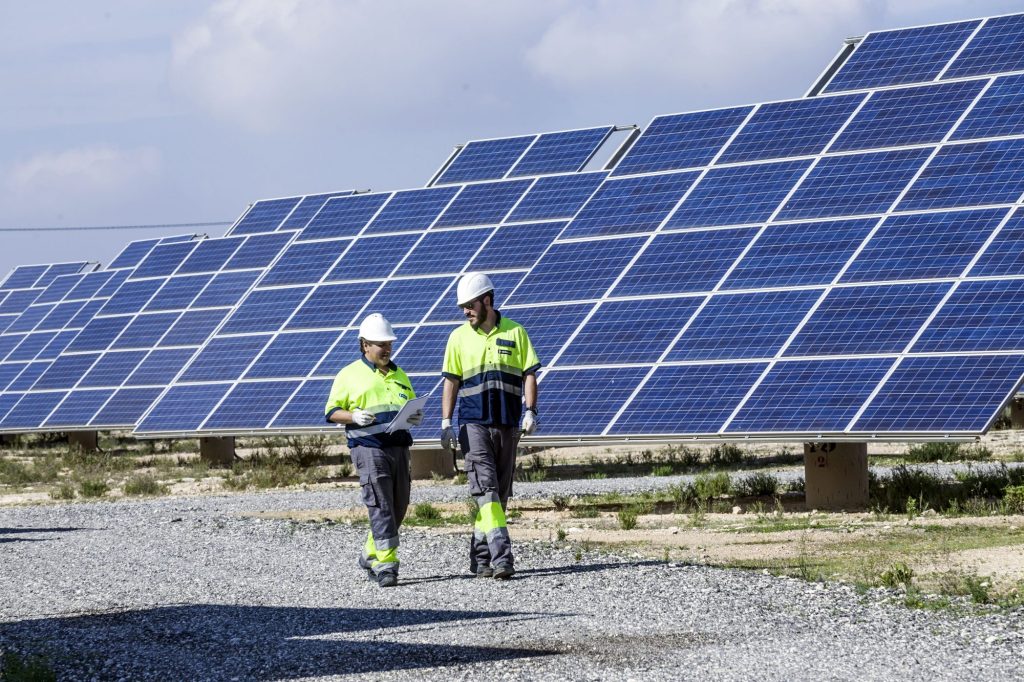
(365,397)
(490,366)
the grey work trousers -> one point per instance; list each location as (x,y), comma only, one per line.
(385,482)
(490,453)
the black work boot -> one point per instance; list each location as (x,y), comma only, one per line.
(504,571)
(387,578)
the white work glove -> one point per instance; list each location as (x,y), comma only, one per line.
(530,422)
(416,418)
(361,417)
(448,439)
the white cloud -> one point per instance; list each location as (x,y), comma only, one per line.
(86,170)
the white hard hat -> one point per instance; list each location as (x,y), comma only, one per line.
(473,285)
(376,328)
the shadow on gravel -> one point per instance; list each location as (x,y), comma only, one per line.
(525,573)
(5,532)
(209,641)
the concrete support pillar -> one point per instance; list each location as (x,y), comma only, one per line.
(1017,413)
(836,476)
(88,441)
(217,451)
(426,463)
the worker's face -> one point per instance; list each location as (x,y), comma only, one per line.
(378,352)
(475,311)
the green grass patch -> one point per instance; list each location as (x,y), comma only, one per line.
(144,485)
(93,487)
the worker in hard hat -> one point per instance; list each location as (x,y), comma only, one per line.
(490,368)
(366,395)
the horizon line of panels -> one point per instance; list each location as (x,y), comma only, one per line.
(929,53)
(396,253)
(143,334)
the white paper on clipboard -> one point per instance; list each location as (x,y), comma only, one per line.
(401,420)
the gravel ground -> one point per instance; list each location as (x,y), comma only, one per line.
(187,589)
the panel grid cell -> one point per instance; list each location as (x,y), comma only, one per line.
(562,152)
(485,159)
(630,205)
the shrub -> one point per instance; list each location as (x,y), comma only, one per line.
(662,470)
(757,485)
(307,451)
(1013,499)
(932,452)
(426,512)
(725,454)
(561,502)
(903,484)
(144,484)
(707,486)
(93,487)
(65,491)
(627,519)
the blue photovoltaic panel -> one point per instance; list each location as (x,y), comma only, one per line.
(58,269)
(64,372)
(794,128)
(445,251)
(423,352)
(259,250)
(412,210)
(99,333)
(998,46)
(30,411)
(307,208)
(516,246)
(178,293)
(371,258)
(548,332)
(265,310)
(304,262)
(226,289)
(681,141)
(910,55)
(184,408)
(163,260)
(24,276)
(1005,255)
(192,328)
(59,288)
(854,185)
(948,393)
(17,301)
(810,395)
(333,305)
(126,406)
(343,216)
(447,309)
(160,367)
(923,246)
(306,407)
(250,405)
(979,316)
(916,115)
(485,159)
(131,297)
(630,205)
(799,254)
(868,319)
(687,399)
(145,330)
(576,270)
(561,196)
(264,216)
(79,407)
(132,254)
(28,376)
(999,112)
(210,255)
(970,175)
(684,262)
(112,369)
(292,355)
(743,326)
(406,301)
(345,349)
(611,336)
(605,390)
(737,195)
(225,358)
(483,204)
(564,152)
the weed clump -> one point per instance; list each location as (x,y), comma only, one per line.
(143,485)
(627,518)
(897,575)
(758,484)
(93,487)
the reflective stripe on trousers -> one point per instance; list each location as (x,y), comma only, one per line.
(490,464)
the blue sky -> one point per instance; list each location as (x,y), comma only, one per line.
(126,112)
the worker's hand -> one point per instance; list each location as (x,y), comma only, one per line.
(448,440)
(530,422)
(361,417)
(416,418)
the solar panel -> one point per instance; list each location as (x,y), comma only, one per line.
(835,266)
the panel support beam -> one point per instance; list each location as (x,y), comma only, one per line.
(428,462)
(1017,413)
(836,476)
(217,451)
(87,441)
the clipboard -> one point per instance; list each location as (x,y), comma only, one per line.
(401,420)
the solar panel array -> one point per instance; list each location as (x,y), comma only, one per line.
(847,265)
